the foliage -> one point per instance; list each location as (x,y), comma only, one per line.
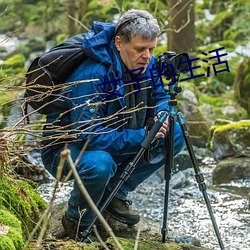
(221,21)
(218,104)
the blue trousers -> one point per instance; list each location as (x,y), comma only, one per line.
(100,170)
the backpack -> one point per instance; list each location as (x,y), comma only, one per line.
(47,74)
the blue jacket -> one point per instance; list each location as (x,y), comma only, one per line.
(89,118)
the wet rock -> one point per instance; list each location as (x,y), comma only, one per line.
(181,179)
(231,169)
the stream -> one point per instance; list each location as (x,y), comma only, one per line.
(187,212)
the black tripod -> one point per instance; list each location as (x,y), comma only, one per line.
(169,163)
(173,90)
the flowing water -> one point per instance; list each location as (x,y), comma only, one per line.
(187,212)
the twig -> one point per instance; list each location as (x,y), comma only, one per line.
(66,154)
(77,21)
(99,238)
(137,236)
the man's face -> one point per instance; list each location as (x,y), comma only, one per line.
(137,53)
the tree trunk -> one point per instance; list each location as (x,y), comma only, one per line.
(83,7)
(72,13)
(181,34)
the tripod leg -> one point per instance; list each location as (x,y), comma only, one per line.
(199,176)
(168,173)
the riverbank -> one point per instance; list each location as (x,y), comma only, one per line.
(188,215)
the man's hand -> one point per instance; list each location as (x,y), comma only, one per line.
(164,128)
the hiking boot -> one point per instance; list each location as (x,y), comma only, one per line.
(75,231)
(121,211)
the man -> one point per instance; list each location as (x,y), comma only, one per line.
(109,114)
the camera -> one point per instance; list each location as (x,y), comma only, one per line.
(172,64)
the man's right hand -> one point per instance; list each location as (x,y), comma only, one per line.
(163,129)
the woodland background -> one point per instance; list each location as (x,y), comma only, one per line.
(187,26)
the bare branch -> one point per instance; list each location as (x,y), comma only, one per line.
(77,21)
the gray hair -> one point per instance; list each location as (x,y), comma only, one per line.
(137,22)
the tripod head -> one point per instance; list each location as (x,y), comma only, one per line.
(171,65)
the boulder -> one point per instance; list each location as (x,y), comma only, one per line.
(242,85)
(150,235)
(197,125)
(231,139)
(231,169)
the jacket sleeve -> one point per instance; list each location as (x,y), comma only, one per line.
(88,116)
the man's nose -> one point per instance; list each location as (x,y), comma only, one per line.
(146,54)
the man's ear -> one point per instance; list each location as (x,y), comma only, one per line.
(118,42)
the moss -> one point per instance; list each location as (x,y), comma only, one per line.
(212,100)
(220,102)
(16,237)
(9,219)
(22,200)
(65,245)
(128,244)
(6,243)
(235,125)
(16,61)
(13,239)
(239,128)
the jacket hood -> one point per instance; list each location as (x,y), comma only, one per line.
(98,42)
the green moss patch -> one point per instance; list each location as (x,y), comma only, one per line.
(22,200)
(10,231)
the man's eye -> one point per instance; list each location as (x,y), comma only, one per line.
(139,49)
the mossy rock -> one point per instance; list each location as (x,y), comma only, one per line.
(219,107)
(128,244)
(231,169)
(242,84)
(10,231)
(21,199)
(232,139)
